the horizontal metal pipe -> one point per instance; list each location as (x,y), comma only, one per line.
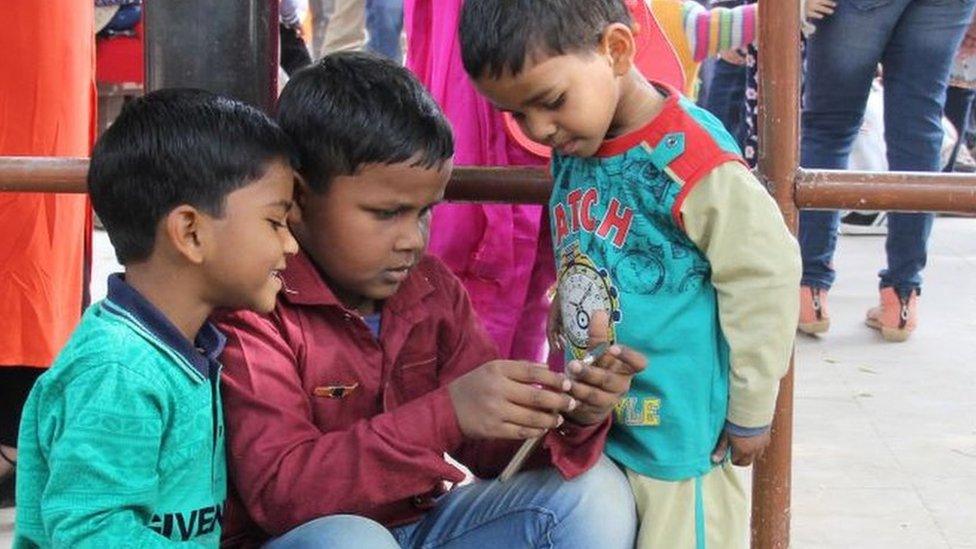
(28,174)
(508,185)
(815,189)
(897,191)
(468,184)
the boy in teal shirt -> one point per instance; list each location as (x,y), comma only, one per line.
(655,220)
(122,440)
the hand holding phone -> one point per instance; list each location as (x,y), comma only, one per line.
(530,445)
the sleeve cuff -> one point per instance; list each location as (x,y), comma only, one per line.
(739,431)
(575,448)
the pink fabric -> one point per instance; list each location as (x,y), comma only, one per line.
(702,31)
(501,253)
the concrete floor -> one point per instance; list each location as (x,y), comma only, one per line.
(885,434)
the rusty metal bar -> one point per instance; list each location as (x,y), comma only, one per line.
(815,189)
(779,158)
(468,184)
(510,185)
(43,174)
(904,191)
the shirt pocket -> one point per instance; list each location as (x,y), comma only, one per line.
(415,376)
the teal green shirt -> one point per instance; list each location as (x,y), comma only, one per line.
(122,440)
(621,247)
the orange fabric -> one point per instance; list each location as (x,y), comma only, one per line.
(670,18)
(47,108)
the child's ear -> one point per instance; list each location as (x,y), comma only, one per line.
(187,230)
(300,198)
(619,46)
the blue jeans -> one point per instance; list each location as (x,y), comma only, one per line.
(958,105)
(915,40)
(533,509)
(726,97)
(384,23)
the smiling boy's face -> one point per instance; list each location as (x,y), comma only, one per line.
(250,241)
(368,230)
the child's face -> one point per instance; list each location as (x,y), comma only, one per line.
(567,102)
(368,230)
(249,242)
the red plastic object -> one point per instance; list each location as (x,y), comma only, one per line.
(119,59)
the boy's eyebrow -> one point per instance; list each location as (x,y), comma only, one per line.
(283,204)
(537,97)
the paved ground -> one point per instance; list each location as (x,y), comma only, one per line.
(885,434)
(885,441)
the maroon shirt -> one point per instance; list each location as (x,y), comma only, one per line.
(324,418)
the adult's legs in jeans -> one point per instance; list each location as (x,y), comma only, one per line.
(336,532)
(958,106)
(917,61)
(726,97)
(534,509)
(384,23)
(842,57)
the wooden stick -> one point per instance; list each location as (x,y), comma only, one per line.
(530,445)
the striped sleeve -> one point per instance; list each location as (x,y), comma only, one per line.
(711,31)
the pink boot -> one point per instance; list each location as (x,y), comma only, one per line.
(813,311)
(896,317)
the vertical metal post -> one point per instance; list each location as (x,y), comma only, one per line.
(779,131)
(225,47)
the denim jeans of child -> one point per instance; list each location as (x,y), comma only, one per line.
(915,41)
(535,509)
(384,23)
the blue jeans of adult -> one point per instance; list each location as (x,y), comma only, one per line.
(384,23)
(726,97)
(958,105)
(915,40)
(533,509)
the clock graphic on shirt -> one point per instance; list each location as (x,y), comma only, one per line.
(584,288)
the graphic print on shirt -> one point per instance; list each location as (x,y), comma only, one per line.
(584,288)
(620,250)
(621,219)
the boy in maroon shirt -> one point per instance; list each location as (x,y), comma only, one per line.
(341,404)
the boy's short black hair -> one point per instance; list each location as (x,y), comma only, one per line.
(500,34)
(173,147)
(351,109)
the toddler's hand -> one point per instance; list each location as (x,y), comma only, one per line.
(745,450)
(598,387)
(510,399)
